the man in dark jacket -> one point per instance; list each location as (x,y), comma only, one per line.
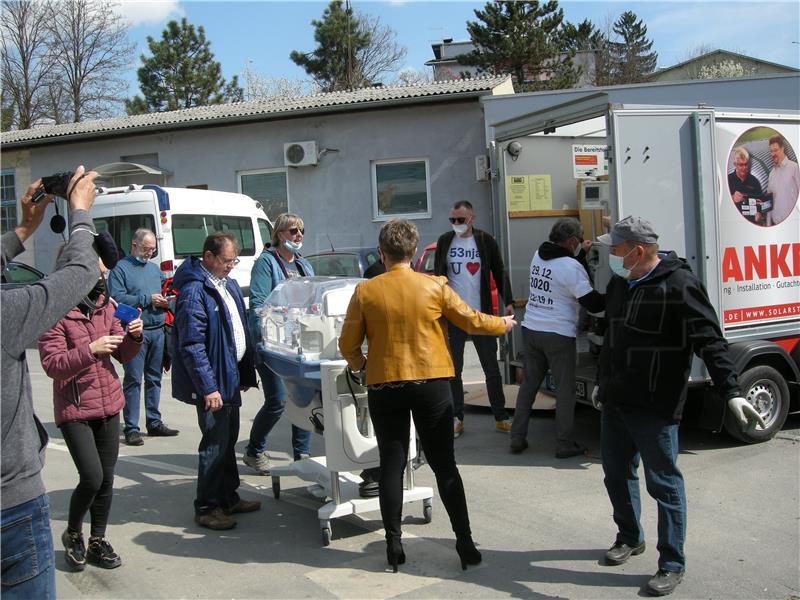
(468,257)
(29,311)
(213,364)
(658,314)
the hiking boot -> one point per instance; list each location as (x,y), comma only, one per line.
(75,550)
(458,427)
(162,430)
(503,426)
(259,463)
(568,451)
(518,445)
(133,438)
(243,506)
(101,554)
(216,519)
(621,552)
(664,582)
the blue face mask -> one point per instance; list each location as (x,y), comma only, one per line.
(142,259)
(617,264)
(292,247)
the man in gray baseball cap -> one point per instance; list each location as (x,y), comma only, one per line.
(658,314)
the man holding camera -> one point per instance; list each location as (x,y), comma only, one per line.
(27,312)
(136,281)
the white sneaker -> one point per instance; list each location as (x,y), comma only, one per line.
(458,427)
(259,463)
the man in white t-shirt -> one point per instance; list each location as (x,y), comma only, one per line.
(559,286)
(470,259)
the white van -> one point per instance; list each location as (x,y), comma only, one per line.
(181,219)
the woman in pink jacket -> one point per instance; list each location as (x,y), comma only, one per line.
(87,399)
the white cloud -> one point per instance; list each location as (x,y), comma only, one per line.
(149,12)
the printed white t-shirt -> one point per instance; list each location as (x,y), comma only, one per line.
(464,270)
(555,287)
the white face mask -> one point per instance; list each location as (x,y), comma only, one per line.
(292,247)
(577,249)
(616,263)
(460,229)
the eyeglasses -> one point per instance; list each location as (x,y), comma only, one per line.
(459,220)
(145,249)
(294,230)
(228,263)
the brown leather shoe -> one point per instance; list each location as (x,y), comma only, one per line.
(216,519)
(243,506)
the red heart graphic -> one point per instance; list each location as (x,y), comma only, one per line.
(473,267)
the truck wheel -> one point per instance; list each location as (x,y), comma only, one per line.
(766,389)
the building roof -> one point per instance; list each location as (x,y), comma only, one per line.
(723,55)
(261,110)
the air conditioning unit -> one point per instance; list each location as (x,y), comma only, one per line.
(300,154)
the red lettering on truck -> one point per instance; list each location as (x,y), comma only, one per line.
(780,260)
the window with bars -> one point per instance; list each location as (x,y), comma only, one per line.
(8,196)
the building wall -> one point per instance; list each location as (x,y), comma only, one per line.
(20,162)
(692,69)
(334,198)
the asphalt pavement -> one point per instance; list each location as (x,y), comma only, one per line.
(542,524)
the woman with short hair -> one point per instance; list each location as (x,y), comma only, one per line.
(403,314)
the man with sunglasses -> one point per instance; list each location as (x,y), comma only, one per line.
(136,281)
(469,258)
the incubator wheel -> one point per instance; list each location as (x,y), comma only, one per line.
(326,535)
(276,487)
(427,511)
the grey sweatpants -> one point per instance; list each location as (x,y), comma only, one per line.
(540,350)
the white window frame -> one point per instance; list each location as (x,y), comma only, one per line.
(283,170)
(393,161)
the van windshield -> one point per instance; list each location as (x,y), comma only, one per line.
(190,231)
(122,228)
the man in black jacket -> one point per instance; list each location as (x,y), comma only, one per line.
(658,314)
(468,257)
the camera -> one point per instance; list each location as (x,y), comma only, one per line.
(56,185)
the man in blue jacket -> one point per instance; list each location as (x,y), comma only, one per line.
(213,364)
(136,281)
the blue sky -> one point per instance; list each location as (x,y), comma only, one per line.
(263,33)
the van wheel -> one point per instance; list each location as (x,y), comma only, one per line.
(766,389)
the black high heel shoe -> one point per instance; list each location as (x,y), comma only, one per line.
(467,552)
(394,553)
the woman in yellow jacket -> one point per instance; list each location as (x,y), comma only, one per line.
(402,315)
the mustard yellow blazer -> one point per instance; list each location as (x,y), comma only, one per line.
(403,315)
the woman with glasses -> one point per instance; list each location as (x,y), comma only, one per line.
(403,315)
(277,262)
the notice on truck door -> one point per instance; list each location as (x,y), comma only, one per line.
(759,218)
(589,160)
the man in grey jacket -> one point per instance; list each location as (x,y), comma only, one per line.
(27,312)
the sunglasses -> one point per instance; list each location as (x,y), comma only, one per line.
(294,230)
(459,220)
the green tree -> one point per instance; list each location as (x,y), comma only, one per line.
(353,50)
(631,54)
(181,73)
(525,39)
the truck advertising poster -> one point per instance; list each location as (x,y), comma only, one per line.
(759,218)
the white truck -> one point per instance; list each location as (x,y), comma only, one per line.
(181,219)
(675,166)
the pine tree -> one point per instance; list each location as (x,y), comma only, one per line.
(181,73)
(353,50)
(631,56)
(524,39)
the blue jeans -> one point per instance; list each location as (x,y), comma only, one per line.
(148,360)
(217,472)
(626,436)
(486,347)
(28,569)
(269,414)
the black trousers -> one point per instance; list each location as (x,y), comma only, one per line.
(94,447)
(391,410)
